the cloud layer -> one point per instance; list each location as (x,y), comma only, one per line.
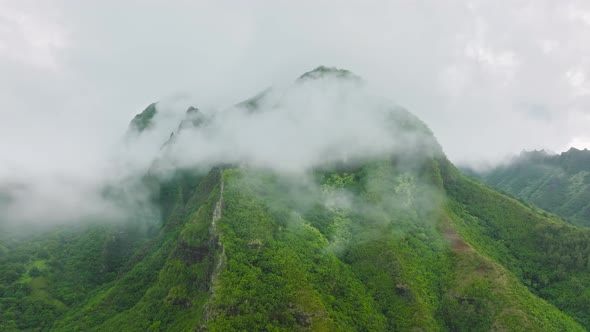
(313,122)
(489,77)
(326,116)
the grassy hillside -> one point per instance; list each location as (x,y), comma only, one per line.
(557,183)
(382,261)
(546,254)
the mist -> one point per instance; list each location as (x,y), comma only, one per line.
(308,124)
(490,78)
(324,117)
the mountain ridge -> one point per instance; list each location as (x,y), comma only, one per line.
(559,183)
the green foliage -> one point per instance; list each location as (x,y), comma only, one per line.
(392,261)
(544,253)
(44,275)
(556,183)
(278,275)
(107,277)
(378,246)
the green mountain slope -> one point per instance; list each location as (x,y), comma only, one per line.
(557,183)
(397,242)
(374,265)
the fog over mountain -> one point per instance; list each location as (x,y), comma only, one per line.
(316,206)
(490,78)
(292,165)
(327,115)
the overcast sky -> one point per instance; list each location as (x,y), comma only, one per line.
(489,77)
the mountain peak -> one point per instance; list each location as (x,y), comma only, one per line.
(191,110)
(324,71)
(144,119)
(574,150)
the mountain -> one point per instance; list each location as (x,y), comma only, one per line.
(387,239)
(144,120)
(559,183)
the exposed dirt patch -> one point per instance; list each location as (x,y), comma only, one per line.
(457,243)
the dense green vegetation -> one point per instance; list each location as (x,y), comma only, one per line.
(109,277)
(41,277)
(402,242)
(383,260)
(370,246)
(557,183)
(546,254)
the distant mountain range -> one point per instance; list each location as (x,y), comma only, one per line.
(559,183)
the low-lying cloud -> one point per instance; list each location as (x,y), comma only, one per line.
(308,124)
(312,122)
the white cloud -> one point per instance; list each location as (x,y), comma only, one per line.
(489,77)
(33,37)
(578,82)
(578,143)
(307,124)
